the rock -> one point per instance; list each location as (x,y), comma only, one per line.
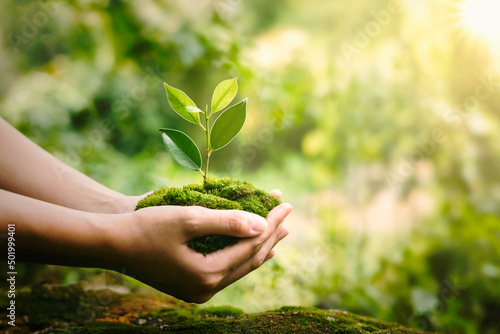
(70,309)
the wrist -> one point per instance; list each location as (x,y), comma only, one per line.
(112,204)
(116,236)
(121,204)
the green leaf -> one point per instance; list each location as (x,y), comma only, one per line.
(178,100)
(193,109)
(224,93)
(182,148)
(228,125)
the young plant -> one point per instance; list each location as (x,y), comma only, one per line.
(229,123)
(215,193)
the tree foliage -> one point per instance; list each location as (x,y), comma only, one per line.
(379,123)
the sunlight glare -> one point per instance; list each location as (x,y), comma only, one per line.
(481,17)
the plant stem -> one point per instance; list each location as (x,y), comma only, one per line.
(206,166)
(207,132)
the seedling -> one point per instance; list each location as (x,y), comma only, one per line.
(229,123)
(220,194)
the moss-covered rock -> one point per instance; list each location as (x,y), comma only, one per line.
(70,309)
(215,193)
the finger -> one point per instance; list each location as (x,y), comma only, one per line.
(145,195)
(283,232)
(270,255)
(275,193)
(234,256)
(237,223)
(261,255)
(265,253)
(280,212)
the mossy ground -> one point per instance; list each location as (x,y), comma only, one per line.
(70,309)
(215,193)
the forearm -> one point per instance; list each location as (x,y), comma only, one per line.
(27,169)
(51,234)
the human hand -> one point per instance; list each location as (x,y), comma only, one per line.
(123,203)
(152,246)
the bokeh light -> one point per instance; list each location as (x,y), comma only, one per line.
(481,17)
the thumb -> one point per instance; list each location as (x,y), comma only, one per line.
(235,223)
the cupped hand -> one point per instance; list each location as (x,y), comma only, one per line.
(124,204)
(152,247)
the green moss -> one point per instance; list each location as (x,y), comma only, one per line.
(288,319)
(307,320)
(228,312)
(215,193)
(111,328)
(70,309)
(75,305)
(212,243)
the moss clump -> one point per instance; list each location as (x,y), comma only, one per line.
(215,193)
(212,243)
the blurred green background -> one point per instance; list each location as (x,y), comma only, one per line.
(379,121)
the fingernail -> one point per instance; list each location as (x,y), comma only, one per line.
(283,233)
(259,225)
(271,254)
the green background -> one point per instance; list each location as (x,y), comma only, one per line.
(381,128)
